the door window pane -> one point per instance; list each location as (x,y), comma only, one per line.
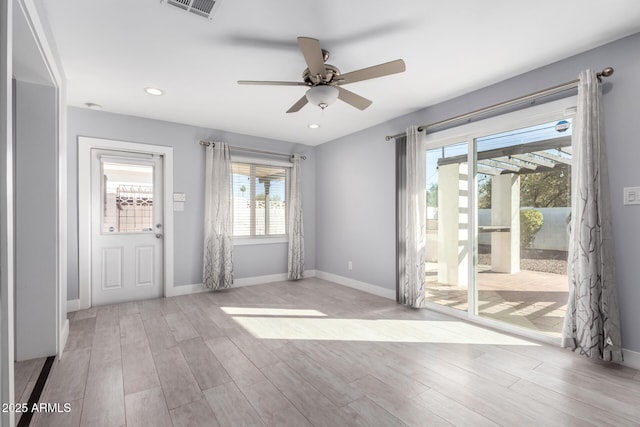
(447,198)
(127,198)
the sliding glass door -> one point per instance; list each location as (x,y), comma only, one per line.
(498,209)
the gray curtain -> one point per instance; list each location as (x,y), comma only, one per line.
(411,218)
(218,218)
(591,325)
(295,225)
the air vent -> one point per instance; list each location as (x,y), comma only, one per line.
(202,8)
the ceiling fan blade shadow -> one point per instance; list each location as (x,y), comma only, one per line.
(353,99)
(380,70)
(270,83)
(298,105)
(312,53)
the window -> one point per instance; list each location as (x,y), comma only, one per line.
(127,196)
(259,194)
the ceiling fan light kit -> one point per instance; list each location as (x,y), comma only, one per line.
(325,80)
(322,95)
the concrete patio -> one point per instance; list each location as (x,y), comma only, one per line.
(529,299)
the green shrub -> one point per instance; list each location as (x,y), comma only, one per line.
(531,221)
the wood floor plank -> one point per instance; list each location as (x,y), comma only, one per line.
(236,364)
(451,411)
(194,414)
(309,401)
(81,334)
(147,408)
(365,412)
(407,409)
(586,412)
(259,354)
(326,382)
(178,383)
(203,325)
(68,377)
(158,333)
(204,365)
(230,406)
(107,316)
(272,406)
(138,367)
(103,403)
(180,326)
(85,314)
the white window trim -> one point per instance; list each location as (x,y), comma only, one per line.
(517,119)
(266,240)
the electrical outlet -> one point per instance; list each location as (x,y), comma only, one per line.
(349,265)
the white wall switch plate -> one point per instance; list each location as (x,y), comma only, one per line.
(631,196)
(179,197)
(178,206)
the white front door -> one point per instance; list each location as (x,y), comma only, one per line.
(126,226)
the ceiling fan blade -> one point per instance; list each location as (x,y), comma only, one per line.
(353,99)
(312,55)
(298,105)
(376,71)
(270,83)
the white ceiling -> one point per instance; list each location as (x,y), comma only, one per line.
(112,49)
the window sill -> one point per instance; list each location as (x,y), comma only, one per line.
(241,241)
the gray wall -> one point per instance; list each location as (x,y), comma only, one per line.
(355,175)
(249,260)
(35,220)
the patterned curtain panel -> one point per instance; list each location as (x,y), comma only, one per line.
(295,225)
(412,222)
(591,325)
(218,219)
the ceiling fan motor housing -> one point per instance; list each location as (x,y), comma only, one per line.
(330,76)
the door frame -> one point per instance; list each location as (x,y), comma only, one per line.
(530,116)
(85,145)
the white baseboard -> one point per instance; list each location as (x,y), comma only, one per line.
(237,283)
(356,284)
(63,337)
(631,359)
(73,305)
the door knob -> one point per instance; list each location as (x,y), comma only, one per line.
(158,236)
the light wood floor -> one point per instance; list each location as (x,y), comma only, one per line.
(315,353)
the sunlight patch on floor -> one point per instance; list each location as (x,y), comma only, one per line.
(382,330)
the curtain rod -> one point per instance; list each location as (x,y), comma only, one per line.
(515,101)
(251,150)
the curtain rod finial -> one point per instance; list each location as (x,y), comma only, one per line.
(607,72)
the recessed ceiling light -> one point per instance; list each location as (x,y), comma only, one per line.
(93,106)
(153,91)
(314,126)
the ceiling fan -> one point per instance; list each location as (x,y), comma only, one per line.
(325,80)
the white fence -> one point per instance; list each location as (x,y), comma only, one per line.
(553,235)
(242,215)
